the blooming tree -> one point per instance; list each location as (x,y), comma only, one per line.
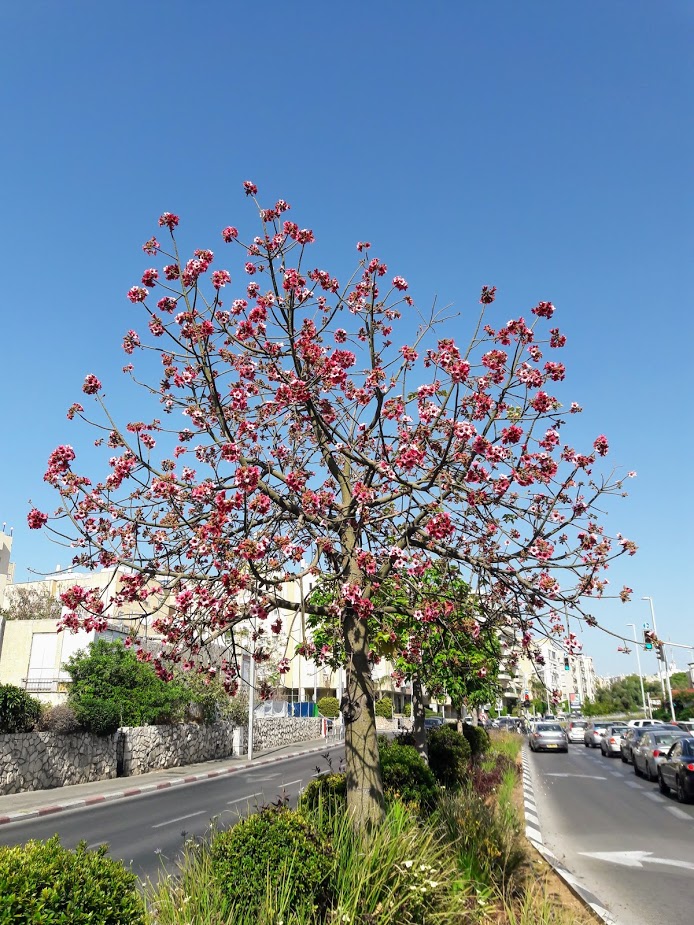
(296,435)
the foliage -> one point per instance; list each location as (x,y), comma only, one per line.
(42,882)
(276,845)
(486,777)
(327,793)
(622,696)
(292,424)
(478,737)
(449,756)
(60,719)
(111,688)
(406,776)
(407,709)
(329,706)
(19,711)
(384,708)
(30,604)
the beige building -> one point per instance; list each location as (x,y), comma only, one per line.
(577,684)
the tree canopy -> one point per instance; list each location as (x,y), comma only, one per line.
(298,432)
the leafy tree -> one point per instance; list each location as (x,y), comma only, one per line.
(30,604)
(293,426)
(109,680)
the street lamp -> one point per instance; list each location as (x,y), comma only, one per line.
(647,712)
(667,673)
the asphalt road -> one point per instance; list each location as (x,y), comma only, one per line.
(147,831)
(628,844)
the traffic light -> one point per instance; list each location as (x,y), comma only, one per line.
(567,666)
(660,652)
(648,639)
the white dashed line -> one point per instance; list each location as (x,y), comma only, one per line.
(179,819)
(680,813)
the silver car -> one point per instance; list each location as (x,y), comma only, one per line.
(593,733)
(577,728)
(549,737)
(652,749)
(611,741)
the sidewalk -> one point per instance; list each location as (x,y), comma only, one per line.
(17,806)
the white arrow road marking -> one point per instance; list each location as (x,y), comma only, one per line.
(587,776)
(635,859)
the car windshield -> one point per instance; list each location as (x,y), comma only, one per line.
(549,727)
(618,728)
(578,725)
(666,739)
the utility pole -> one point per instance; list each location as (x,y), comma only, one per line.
(646,709)
(667,673)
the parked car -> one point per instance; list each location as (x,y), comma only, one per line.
(638,723)
(611,741)
(593,732)
(687,726)
(629,740)
(548,737)
(432,722)
(652,748)
(676,771)
(576,729)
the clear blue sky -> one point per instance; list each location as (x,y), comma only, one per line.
(542,147)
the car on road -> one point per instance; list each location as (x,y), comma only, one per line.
(593,732)
(629,740)
(611,741)
(676,771)
(549,737)
(432,722)
(639,723)
(652,749)
(576,729)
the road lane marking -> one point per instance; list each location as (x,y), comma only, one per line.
(633,783)
(292,782)
(635,859)
(655,796)
(95,845)
(241,799)
(179,819)
(566,774)
(680,813)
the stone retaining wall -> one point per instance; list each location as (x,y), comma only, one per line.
(271,732)
(42,760)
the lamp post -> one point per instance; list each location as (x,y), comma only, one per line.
(646,709)
(667,674)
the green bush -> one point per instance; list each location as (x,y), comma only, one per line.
(59,719)
(42,882)
(327,792)
(406,776)
(407,710)
(449,756)
(329,706)
(275,849)
(96,715)
(19,711)
(108,678)
(478,737)
(384,708)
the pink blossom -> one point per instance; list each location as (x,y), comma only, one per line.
(137,294)
(220,278)
(544,310)
(91,385)
(488,295)
(131,341)
(150,277)
(250,188)
(440,526)
(601,445)
(229,233)
(363,246)
(36,519)
(169,220)
(247,478)
(400,283)
(151,247)
(73,409)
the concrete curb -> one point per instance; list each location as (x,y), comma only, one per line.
(533,833)
(49,809)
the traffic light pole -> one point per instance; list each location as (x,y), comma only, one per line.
(666,671)
(646,708)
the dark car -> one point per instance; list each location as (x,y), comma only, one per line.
(652,748)
(432,722)
(676,771)
(629,739)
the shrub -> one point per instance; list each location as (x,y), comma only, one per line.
(407,710)
(327,792)
(96,715)
(407,776)
(44,882)
(275,849)
(478,737)
(384,708)
(19,711)
(486,778)
(449,756)
(329,706)
(59,719)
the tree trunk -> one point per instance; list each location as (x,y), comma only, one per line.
(365,800)
(418,728)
